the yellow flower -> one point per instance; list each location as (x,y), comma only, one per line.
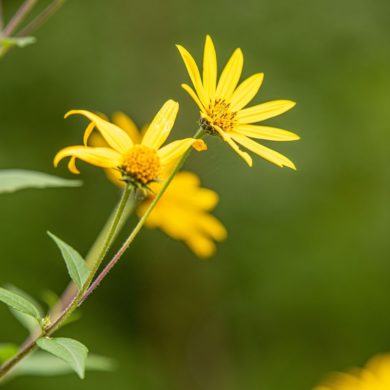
(183,214)
(222,105)
(183,211)
(374,376)
(139,164)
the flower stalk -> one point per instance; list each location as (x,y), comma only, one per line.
(89,286)
(52,327)
(19,16)
(140,223)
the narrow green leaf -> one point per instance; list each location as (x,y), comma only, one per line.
(70,351)
(12,180)
(7,351)
(76,265)
(19,303)
(27,321)
(17,41)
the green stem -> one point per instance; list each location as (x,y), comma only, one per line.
(19,16)
(199,134)
(31,344)
(93,254)
(106,246)
(87,287)
(50,10)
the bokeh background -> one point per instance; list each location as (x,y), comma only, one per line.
(302,285)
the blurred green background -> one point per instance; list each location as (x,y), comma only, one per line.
(302,285)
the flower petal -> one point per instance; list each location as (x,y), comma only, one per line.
(262,151)
(158,131)
(115,136)
(100,157)
(264,111)
(128,125)
(226,137)
(230,76)
(212,227)
(194,74)
(176,149)
(266,132)
(246,91)
(88,131)
(209,68)
(72,166)
(192,93)
(201,245)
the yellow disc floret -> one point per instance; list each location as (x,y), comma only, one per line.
(140,164)
(219,114)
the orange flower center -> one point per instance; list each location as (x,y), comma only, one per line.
(219,114)
(140,164)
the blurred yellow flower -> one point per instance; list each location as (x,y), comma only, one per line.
(222,105)
(138,164)
(374,376)
(183,212)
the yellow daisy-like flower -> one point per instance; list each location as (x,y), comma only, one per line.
(183,212)
(222,105)
(139,164)
(374,376)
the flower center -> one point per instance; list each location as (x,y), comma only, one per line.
(219,114)
(141,165)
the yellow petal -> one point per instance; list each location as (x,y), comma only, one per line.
(194,74)
(72,166)
(114,136)
(209,68)
(212,227)
(262,151)
(185,189)
(230,76)
(100,157)
(192,93)
(158,131)
(246,91)
(128,125)
(266,132)
(226,137)
(175,150)
(264,111)
(199,145)
(97,141)
(88,132)
(202,246)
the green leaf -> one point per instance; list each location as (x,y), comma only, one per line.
(42,363)
(12,180)
(8,42)
(27,321)
(76,265)
(19,303)
(7,351)
(70,351)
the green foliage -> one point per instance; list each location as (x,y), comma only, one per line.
(9,42)
(7,350)
(45,364)
(12,180)
(76,265)
(19,303)
(70,351)
(26,320)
